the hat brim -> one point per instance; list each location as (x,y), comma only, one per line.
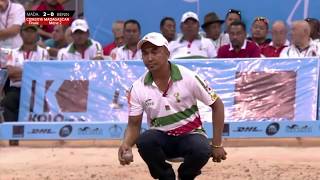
(141,42)
(190,18)
(203,26)
(30,27)
(80,29)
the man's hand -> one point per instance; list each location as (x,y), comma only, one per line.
(131,134)
(218,154)
(125,155)
(98,58)
(14,72)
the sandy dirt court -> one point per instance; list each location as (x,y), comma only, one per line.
(101,163)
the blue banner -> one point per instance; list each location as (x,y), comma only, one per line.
(251,89)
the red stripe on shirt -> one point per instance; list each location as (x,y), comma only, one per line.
(186,128)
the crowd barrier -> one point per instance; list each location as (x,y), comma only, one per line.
(87,99)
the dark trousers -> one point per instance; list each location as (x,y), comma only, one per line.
(155,147)
(10,104)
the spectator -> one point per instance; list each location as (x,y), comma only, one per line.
(314,26)
(301,43)
(175,125)
(12,16)
(212,27)
(232,15)
(239,46)
(131,34)
(48,5)
(57,42)
(29,51)
(279,40)
(117,31)
(68,35)
(168,28)
(82,48)
(191,44)
(259,31)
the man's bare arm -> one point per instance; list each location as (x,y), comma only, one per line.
(133,130)
(218,152)
(9,32)
(131,135)
(217,121)
(44,33)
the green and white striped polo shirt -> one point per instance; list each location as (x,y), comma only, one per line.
(175,112)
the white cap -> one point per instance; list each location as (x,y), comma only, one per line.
(188,15)
(79,24)
(155,39)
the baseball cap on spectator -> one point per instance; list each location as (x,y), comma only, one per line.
(211,18)
(154,38)
(188,15)
(79,24)
(314,21)
(310,19)
(263,19)
(25,26)
(234,11)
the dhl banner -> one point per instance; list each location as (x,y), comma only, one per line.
(109,130)
(95,91)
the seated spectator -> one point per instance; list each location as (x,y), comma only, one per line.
(279,40)
(212,27)
(232,15)
(314,27)
(301,43)
(117,31)
(82,48)
(68,35)
(48,5)
(57,42)
(259,31)
(168,28)
(191,44)
(239,47)
(29,51)
(129,51)
(12,16)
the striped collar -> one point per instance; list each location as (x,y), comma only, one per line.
(34,49)
(244,46)
(175,75)
(197,38)
(72,48)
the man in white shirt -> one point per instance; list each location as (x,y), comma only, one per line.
(82,48)
(29,51)
(168,93)
(131,34)
(191,44)
(12,15)
(301,43)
